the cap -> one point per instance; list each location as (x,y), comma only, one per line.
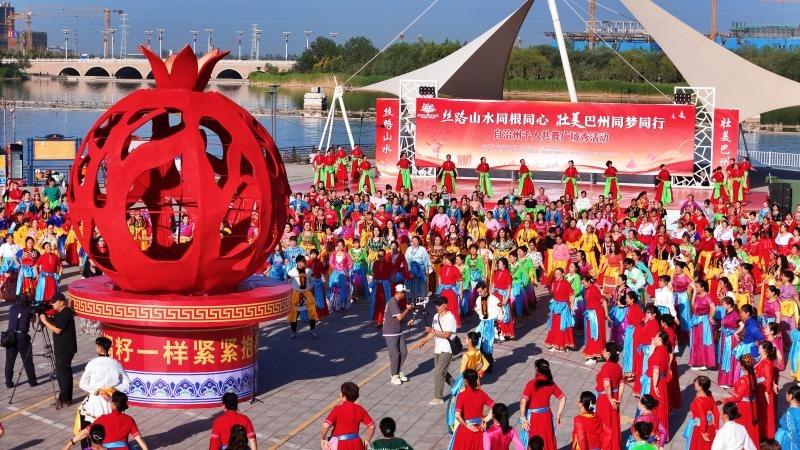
(400,288)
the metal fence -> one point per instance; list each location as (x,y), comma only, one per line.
(775,159)
(302,154)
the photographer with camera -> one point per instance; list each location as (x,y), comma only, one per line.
(18,341)
(65,345)
(394,333)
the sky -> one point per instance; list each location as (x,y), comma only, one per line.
(380,20)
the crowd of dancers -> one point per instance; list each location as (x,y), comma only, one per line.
(719,283)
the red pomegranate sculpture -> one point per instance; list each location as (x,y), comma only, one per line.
(175,153)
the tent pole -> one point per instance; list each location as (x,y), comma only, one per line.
(562,49)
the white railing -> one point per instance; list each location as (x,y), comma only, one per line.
(775,159)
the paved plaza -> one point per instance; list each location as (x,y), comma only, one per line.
(299,381)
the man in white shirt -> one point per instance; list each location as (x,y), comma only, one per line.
(9,250)
(488,309)
(582,203)
(443,326)
(731,435)
(103,375)
(378,200)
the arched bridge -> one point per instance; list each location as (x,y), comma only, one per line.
(139,68)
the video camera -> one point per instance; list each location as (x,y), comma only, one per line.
(42,308)
(420,305)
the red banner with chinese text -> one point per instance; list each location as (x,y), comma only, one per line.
(387,122)
(638,138)
(726,136)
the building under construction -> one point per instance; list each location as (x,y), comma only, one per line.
(11,39)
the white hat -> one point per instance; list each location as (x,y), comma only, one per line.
(400,288)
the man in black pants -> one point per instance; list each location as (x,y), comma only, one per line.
(65,345)
(19,322)
(394,333)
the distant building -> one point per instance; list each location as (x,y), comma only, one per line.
(6,10)
(39,41)
(760,36)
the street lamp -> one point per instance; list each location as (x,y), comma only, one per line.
(194,40)
(111,32)
(286,45)
(210,32)
(239,42)
(66,42)
(334,34)
(149,34)
(160,41)
(258,43)
(307,33)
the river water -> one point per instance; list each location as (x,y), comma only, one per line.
(290,130)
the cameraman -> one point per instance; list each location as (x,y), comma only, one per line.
(65,345)
(394,333)
(19,322)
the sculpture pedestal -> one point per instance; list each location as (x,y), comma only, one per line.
(183,351)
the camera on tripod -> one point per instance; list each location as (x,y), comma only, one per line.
(42,308)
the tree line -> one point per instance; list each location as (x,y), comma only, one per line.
(540,62)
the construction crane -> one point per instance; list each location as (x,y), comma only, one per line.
(27,35)
(713,32)
(49,10)
(592,19)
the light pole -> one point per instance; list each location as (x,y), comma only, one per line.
(210,32)
(286,45)
(334,34)
(66,43)
(111,34)
(160,40)
(194,40)
(307,33)
(149,34)
(258,44)
(239,35)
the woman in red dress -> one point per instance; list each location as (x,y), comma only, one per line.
(534,406)
(12,197)
(346,419)
(330,170)
(702,427)
(594,320)
(450,285)
(560,321)
(736,181)
(501,288)
(448,176)
(587,429)
(525,187)
(642,340)
(404,175)
(355,164)
(570,180)
(471,416)
(668,326)
(743,393)
(611,190)
(659,374)
(341,166)
(609,386)
(766,377)
(484,179)
(48,267)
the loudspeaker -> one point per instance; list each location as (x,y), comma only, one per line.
(781,194)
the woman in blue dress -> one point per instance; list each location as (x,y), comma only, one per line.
(277,265)
(788,434)
(749,332)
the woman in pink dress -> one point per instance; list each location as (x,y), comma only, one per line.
(772,332)
(701,336)
(501,435)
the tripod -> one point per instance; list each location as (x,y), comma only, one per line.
(47,353)
(256,335)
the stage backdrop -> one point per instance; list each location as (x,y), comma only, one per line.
(726,136)
(638,138)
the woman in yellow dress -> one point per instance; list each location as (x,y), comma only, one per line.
(589,243)
(659,263)
(525,234)
(308,239)
(472,359)
(476,230)
(610,268)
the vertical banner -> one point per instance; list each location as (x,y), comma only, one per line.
(726,136)
(387,141)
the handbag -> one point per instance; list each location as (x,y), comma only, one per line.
(8,338)
(456,346)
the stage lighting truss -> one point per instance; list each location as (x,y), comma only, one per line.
(704,101)
(410,91)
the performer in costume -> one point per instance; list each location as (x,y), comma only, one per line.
(702,427)
(587,428)
(484,179)
(449,285)
(728,340)
(664,186)
(750,332)
(609,387)
(341,166)
(525,186)
(655,380)
(569,179)
(721,192)
(633,318)
(345,419)
(788,434)
(358,276)
(502,281)
(339,282)
(611,189)
(746,166)
(448,175)
(594,320)
(26,280)
(472,359)
(766,387)
(488,309)
(535,415)
(643,337)
(471,414)
(701,336)
(319,168)
(329,172)
(501,435)
(365,182)
(743,393)
(48,268)
(301,278)
(560,320)
(355,163)
(419,264)
(404,175)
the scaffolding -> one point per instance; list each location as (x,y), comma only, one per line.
(611,31)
